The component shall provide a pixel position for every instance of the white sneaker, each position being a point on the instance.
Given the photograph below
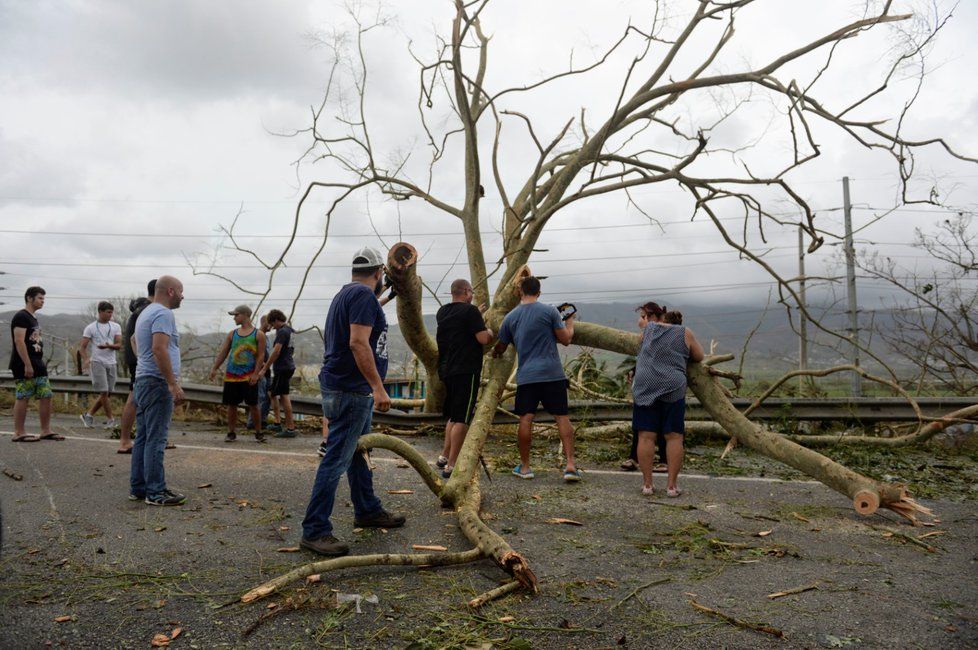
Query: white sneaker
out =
(87, 420)
(110, 424)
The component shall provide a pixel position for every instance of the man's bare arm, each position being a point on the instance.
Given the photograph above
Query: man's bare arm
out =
(695, 349)
(499, 349)
(222, 354)
(83, 349)
(161, 342)
(276, 351)
(484, 337)
(364, 356)
(20, 343)
(566, 333)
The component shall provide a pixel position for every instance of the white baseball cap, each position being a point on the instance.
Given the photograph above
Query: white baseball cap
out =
(367, 258)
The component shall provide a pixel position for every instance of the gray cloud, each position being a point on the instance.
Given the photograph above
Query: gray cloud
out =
(182, 49)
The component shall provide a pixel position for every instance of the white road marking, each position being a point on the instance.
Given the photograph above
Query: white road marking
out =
(236, 448)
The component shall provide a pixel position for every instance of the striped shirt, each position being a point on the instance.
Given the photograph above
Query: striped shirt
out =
(660, 368)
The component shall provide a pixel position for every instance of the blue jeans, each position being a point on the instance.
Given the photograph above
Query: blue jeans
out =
(154, 407)
(349, 418)
(264, 404)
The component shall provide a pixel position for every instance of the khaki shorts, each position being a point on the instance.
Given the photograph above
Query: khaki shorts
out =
(103, 377)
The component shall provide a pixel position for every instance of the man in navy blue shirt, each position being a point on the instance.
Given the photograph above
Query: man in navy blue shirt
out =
(351, 382)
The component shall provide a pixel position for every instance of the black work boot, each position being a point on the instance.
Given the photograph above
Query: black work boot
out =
(326, 545)
(382, 519)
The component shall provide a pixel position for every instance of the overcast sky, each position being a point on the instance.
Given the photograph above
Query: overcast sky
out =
(130, 131)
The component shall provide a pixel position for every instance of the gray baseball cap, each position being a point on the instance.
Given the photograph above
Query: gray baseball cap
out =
(366, 258)
(241, 309)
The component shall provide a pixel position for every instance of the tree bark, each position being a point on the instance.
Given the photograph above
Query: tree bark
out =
(402, 262)
(867, 495)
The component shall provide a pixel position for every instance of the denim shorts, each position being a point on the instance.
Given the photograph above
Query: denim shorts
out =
(660, 417)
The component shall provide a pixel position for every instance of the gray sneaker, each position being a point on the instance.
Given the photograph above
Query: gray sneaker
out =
(286, 433)
(166, 498)
(326, 545)
(87, 420)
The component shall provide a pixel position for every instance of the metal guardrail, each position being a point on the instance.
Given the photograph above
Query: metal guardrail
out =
(866, 409)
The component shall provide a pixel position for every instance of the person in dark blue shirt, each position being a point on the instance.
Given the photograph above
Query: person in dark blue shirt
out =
(536, 329)
(352, 386)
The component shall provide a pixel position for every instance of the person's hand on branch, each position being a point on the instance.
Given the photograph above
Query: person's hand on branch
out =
(382, 401)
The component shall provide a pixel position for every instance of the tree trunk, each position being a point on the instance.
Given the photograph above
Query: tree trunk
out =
(402, 262)
(867, 495)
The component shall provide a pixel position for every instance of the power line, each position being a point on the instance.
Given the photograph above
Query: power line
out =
(347, 266)
(364, 235)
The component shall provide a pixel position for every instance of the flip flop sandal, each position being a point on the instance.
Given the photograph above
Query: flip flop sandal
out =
(629, 465)
(518, 471)
(673, 492)
(28, 437)
(124, 451)
(52, 436)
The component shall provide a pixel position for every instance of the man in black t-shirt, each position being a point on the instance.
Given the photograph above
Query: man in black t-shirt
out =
(461, 335)
(128, 418)
(29, 370)
(281, 362)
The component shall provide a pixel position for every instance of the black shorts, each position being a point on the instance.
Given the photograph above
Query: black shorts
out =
(280, 382)
(552, 394)
(661, 417)
(461, 395)
(236, 392)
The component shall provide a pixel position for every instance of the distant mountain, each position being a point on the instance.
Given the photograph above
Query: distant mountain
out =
(773, 346)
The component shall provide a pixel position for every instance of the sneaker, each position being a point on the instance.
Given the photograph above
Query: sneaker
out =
(322, 449)
(382, 519)
(166, 498)
(673, 492)
(274, 427)
(447, 472)
(136, 497)
(286, 433)
(326, 545)
(260, 437)
(230, 437)
(87, 420)
(441, 462)
(109, 424)
(648, 491)
(518, 471)
(572, 476)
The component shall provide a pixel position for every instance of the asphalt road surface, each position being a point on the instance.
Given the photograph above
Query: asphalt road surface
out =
(81, 566)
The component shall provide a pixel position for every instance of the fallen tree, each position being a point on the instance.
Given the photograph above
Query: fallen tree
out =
(586, 158)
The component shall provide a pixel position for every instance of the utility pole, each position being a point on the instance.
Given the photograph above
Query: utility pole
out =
(803, 328)
(856, 389)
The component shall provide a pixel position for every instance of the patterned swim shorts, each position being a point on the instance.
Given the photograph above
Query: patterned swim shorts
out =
(36, 387)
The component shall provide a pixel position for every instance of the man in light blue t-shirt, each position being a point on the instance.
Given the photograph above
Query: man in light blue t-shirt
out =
(157, 390)
(535, 329)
